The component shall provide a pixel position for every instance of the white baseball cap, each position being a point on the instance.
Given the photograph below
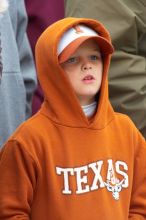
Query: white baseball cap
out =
(75, 36)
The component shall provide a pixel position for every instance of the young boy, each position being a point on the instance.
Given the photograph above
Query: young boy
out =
(76, 159)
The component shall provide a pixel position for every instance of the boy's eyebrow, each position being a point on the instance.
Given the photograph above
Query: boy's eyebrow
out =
(97, 50)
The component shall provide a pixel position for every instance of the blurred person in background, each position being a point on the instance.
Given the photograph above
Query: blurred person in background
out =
(3, 8)
(18, 80)
(40, 16)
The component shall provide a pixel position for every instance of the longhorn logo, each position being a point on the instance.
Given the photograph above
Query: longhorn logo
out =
(114, 185)
(78, 29)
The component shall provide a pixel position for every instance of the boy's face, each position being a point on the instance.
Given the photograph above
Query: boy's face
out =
(84, 70)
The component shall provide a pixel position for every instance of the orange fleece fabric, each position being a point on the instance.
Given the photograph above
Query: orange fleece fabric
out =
(59, 165)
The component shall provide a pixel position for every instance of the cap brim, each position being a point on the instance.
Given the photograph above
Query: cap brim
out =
(104, 45)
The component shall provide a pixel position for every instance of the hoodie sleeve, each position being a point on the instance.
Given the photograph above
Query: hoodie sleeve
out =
(17, 182)
(26, 58)
(138, 198)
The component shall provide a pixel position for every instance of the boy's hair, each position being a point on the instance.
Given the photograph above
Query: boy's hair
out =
(75, 36)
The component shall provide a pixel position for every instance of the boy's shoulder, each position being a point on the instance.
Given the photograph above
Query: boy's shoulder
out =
(29, 137)
(126, 127)
(35, 126)
(122, 116)
(125, 123)
(124, 120)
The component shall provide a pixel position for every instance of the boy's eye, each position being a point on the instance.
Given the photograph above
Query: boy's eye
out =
(93, 57)
(71, 60)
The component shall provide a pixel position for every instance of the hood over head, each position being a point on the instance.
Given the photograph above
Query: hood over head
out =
(60, 102)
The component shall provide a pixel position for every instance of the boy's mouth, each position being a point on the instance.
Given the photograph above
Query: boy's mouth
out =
(88, 79)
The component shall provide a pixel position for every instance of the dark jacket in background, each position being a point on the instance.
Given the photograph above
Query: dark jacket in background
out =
(40, 15)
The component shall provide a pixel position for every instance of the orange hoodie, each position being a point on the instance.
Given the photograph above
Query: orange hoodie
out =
(59, 165)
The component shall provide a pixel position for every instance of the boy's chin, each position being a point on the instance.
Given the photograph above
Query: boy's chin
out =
(86, 99)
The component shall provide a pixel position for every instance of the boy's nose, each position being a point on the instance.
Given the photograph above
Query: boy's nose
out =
(86, 65)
